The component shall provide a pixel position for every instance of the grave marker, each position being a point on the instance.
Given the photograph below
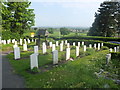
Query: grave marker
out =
(77, 51)
(53, 47)
(50, 44)
(24, 47)
(56, 43)
(98, 46)
(108, 58)
(61, 46)
(115, 49)
(73, 43)
(82, 43)
(65, 42)
(67, 53)
(78, 44)
(110, 49)
(44, 48)
(68, 45)
(33, 60)
(35, 49)
(95, 46)
(55, 56)
(16, 53)
(90, 45)
(84, 48)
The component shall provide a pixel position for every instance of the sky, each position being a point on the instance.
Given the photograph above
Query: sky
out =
(65, 13)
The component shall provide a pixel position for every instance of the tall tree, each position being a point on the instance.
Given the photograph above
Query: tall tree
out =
(17, 17)
(64, 31)
(105, 23)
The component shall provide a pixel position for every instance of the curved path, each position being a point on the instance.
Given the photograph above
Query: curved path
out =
(9, 79)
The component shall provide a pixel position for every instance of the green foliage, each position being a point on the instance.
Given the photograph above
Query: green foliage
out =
(106, 21)
(16, 17)
(50, 30)
(104, 48)
(64, 31)
(10, 35)
(115, 55)
(35, 70)
(73, 56)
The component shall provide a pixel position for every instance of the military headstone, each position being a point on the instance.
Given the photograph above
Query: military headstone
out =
(67, 53)
(84, 48)
(24, 47)
(16, 53)
(33, 60)
(35, 49)
(53, 47)
(77, 51)
(55, 56)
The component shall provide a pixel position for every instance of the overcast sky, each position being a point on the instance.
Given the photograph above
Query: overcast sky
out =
(76, 13)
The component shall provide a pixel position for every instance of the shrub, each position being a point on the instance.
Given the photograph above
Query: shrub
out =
(115, 55)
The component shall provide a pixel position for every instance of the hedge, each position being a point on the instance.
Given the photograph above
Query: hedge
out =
(87, 42)
(94, 38)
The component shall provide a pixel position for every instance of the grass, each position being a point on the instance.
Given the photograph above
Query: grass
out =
(72, 74)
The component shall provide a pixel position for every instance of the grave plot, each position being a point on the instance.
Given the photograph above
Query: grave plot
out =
(77, 72)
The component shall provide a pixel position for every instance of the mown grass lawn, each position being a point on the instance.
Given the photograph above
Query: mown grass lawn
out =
(72, 74)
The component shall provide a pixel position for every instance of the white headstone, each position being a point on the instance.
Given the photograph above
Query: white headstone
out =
(115, 49)
(35, 49)
(73, 43)
(77, 51)
(50, 44)
(78, 44)
(62, 42)
(82, 43)
(67, 53)
(61, 46)
(90, 45)
(56, 43)
(16, 53)
(98, 46)
(55, 56)
(68, 45)
(101, 44)
(65, 42)
(108, 58)
(13, 40)
(32, 40)
(84, 48)
(118, 49)
(15, 46)
(8, 41)
(4, 42)
(53, 47)
(25, 41)
(28, 40)
(24, 47)
(33, 60)
(20, 41)
(110, 49)
(95, 46)
(44, 48)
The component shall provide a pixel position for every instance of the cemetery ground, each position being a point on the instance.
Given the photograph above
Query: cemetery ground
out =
(88, 70)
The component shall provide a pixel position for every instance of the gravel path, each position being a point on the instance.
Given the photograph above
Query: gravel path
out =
(9, 79)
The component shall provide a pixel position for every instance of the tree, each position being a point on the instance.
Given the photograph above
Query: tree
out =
(17, 17)
(50, 30)
(105, 23)
(64, 31)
